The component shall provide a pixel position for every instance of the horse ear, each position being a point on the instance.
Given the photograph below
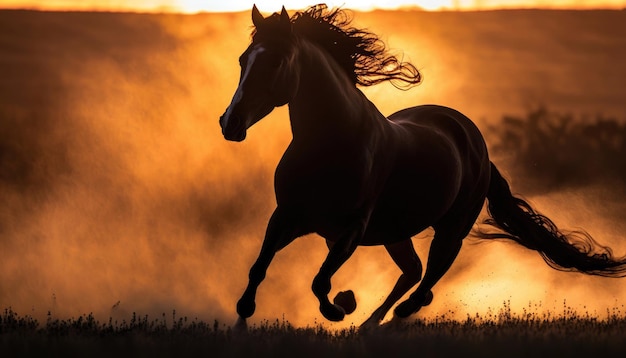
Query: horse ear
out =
(284, 16)
(257, 18)
(284, 19)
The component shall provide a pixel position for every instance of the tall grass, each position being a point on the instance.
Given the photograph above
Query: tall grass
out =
(501, 334)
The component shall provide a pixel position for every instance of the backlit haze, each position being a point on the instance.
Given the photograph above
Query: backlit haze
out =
(119, 193)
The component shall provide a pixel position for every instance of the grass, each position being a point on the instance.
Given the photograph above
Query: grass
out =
(504, 334)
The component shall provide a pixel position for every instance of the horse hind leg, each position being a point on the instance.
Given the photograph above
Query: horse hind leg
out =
(404, 255)
(445, 247)
(443, 250)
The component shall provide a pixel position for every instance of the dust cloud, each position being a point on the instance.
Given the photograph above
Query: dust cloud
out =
(118, 186)
(120, 195)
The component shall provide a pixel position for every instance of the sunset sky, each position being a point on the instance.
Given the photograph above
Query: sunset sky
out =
(192, 6)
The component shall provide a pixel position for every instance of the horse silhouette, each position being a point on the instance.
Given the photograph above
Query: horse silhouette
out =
(355, 177)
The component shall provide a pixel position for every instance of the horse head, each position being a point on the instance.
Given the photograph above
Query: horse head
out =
(269, 76)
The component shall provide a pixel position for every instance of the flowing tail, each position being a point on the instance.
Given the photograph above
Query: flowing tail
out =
(572, 251)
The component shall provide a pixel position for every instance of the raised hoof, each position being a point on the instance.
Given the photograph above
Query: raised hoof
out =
(245, 308)
(346, 300)
(333, 313)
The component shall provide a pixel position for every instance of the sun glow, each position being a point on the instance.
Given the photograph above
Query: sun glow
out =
(364, 5)
(196, 6)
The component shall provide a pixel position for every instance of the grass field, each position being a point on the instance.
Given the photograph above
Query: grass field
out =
(501, 334)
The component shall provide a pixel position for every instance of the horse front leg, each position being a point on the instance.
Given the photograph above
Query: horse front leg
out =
(280, 233)
(338, 254)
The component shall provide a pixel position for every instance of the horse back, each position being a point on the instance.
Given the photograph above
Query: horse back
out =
(421, 125)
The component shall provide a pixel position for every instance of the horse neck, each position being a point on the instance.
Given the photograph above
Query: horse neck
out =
(327, 104)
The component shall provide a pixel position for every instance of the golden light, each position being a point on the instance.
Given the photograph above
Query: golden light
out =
(196, 6)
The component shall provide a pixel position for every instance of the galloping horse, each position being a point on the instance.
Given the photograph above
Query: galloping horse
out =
(355, 177)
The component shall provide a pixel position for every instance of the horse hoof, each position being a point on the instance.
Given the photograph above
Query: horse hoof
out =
(333, 313)
(245, 308)
(406, 308)
(428, 299)
(412, 305)
(346, 300)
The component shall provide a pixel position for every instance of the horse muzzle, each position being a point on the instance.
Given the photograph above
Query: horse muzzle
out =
(233, 128)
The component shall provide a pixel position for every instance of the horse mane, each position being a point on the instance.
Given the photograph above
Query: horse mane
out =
(360, 53)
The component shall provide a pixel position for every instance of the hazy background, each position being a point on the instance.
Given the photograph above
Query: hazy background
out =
(117, 186)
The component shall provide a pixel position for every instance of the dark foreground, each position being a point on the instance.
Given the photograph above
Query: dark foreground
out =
(502, 335)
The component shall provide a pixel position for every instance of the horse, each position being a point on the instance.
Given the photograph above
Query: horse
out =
(355, 177)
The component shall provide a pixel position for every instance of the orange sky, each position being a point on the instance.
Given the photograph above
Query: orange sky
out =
(192, 6)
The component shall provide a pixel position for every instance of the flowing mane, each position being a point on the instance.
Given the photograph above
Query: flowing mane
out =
(360, 53)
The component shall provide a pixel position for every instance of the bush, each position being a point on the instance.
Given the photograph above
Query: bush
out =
(550, 151)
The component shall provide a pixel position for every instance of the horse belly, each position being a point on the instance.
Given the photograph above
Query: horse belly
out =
(404, 215)
(419, 192)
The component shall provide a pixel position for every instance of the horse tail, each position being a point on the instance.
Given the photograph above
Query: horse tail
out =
(571, 251)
